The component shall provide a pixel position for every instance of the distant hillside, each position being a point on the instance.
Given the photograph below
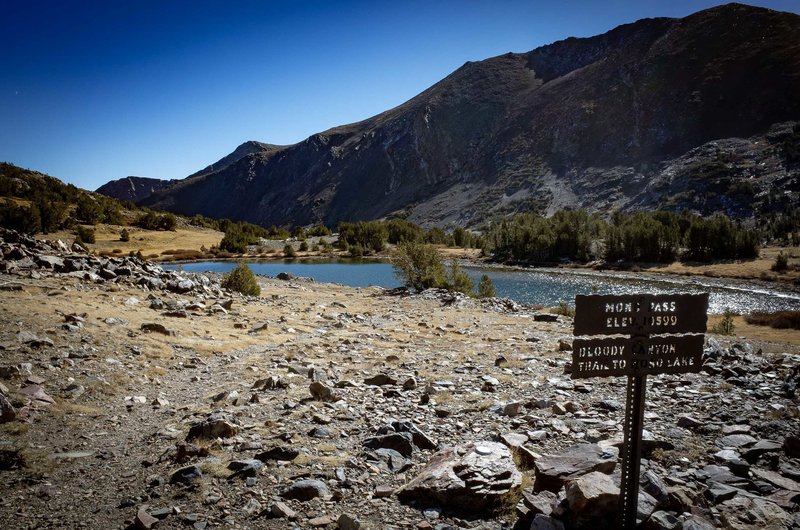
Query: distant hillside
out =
(32, 202)
(689, 113)
(133, 188)
(138, 188)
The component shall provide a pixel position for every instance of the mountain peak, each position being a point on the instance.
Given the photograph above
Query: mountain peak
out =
(593, 122)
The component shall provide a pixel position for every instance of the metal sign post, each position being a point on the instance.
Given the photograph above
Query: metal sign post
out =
(677, 323)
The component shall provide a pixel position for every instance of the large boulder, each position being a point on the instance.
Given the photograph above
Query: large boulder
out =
(305, 490)
(592, 499)
(553, 471)
(215, 426)
(468, 479)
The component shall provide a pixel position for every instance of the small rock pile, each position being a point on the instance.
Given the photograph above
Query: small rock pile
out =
(28, 257)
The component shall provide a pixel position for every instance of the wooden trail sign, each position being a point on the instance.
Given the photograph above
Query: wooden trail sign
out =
(677, 322)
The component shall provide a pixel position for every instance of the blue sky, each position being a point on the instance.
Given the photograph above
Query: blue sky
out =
(93, 91)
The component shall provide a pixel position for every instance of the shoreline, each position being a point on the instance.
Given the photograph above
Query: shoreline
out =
(644, 275)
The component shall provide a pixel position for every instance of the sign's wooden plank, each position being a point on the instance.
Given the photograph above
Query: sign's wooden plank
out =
(640, 314)
(609, 357)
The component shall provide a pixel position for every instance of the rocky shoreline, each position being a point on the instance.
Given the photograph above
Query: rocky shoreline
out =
(133, 397)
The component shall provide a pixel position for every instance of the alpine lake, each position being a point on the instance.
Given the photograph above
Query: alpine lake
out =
(544, 286)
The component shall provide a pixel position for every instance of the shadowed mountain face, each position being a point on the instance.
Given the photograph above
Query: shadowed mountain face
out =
(133, 188)
(676, 113)
(138, 188)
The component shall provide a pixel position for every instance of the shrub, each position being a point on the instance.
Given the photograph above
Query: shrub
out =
(724, 326)
(781, 263)
(303, 246)
(242, 279)
(418, 266)
(88, 210)
(112, 214)
(319, 230)
(124, 235)
(457, 279)
(486, 287)
(84, 235)
(288, 251)
(20, 218)
(154, 221)
(356, 250)
(565, 309)
(371, 235)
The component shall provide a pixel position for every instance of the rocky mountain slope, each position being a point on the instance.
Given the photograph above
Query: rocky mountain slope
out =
(638, 117)
(138, 188)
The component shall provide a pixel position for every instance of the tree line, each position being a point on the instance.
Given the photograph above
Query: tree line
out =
(366, 237)
(44, 204)
(659, 236)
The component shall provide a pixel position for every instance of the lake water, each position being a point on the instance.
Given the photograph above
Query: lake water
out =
(537, 286)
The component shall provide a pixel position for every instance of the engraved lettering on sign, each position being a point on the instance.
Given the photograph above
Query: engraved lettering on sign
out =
(640, 314)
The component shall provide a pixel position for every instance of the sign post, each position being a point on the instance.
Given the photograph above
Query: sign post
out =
(665, 336)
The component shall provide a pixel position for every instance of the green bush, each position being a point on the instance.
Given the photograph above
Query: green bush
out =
(486, 288)
(124, 235)
(457, 279)
(565, 309)
(462, 238)
(242, 279)
(154, 221)
(356, 250)
(288, 251)
(418, 266)
(303, 246)
(319, 230)
(89, 210)
(20, 218)
(84, 235)
(724, 326)
(371, 235)
(781, 263)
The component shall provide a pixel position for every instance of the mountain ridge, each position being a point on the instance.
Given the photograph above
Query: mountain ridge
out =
(526, 131)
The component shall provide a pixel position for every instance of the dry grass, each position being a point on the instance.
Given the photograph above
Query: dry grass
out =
(148, 242)
(215, 468)
(778, 320)
(14, 428)
(37, 461)
(755, 269)
(753, 332)
(506, 510)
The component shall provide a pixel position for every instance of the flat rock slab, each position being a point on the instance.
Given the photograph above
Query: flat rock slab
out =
(553, 471)
(776, 478)
(37, 394)
(72, 454)
(736, 440)
(469, 479)
(745, 513)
